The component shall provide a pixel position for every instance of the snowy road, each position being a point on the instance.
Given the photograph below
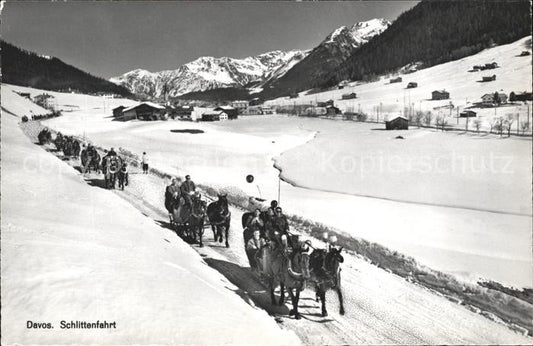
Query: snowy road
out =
(381, 308)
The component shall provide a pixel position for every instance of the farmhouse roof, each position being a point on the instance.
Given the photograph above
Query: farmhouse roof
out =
(398, 117)
(151, 104)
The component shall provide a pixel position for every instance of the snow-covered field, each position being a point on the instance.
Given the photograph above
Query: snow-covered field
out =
(93, 256)
(492, 242)
(72, 252)
(513, 74)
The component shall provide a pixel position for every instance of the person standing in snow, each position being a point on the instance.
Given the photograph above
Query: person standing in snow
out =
(145, 163)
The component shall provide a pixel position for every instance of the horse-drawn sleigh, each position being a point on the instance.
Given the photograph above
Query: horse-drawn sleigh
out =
(187, 217)
(291, 266)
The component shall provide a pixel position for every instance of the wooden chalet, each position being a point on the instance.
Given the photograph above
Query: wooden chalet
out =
(396, 80)
(467, 114)
(440, 95)
(398, 123)
(117, 112)
(349, 96)
(489, 78)
(144, 111)
(332, 110)
(211, 116)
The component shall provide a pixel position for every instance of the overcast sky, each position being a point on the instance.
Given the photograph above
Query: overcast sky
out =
(110, 38)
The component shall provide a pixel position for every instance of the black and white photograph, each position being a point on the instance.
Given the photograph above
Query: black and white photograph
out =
(266, 172)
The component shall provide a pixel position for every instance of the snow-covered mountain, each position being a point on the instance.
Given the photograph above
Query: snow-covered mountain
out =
(207, 73)
(350, 37)
(326, 57)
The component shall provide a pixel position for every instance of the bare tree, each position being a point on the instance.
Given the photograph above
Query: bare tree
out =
(508, 123)
(428, 118)
(524, 126)
(498, 125)
(441, 122)
(418, 118)
(477, 124)
(361, 116)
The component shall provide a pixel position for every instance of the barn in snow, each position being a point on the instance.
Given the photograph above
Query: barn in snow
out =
(144, 111)
(398, 123)
(440, 95)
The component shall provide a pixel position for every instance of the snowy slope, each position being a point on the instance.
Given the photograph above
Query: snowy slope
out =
(207, 73)
(381, 308)
(75, 252)
(20, 105)
(465, 88)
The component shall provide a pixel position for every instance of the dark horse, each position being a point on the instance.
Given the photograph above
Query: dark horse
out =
(290, 273)
(44, 137)
(90, 159)
(326, 274)
(219, 217)
(197, 219)
(188, 220)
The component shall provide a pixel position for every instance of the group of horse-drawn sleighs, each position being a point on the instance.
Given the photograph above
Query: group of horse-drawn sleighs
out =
(112, 166)
(275, 255)
(69, 145)
(279, 257)
(189, 213)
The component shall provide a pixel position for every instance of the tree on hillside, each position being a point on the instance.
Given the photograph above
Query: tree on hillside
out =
(441, 122)
(524, 126)
(508, 124)
(418, 118)
(477, 124)
(496, 99)
(498, 125)
(428, 118)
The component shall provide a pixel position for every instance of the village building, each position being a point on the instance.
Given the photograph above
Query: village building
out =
(332, 110)
(26, 95)
(253, 110)
(240, 105)
(440, 95)
(467, 114)
(231, 112)
(524, 96)
(489, 78)
(45, 100)
(325, 103)
(267, 110)
(349, 96)
(398, 123)
(315, 111)
(117, 112)
(411, 85)
(145, 111)
(396, 80)
(211, 116)
(254, 102)
(490, 99)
